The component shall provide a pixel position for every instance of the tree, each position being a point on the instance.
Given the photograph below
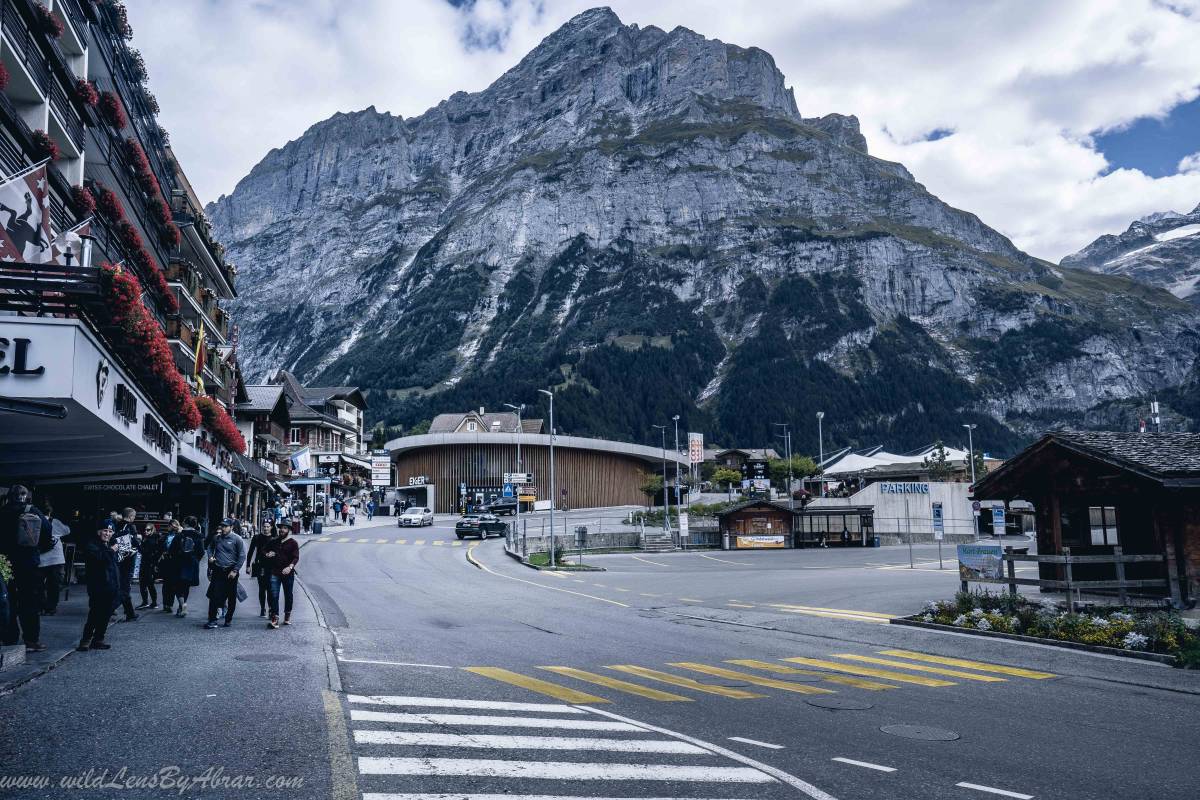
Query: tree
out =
(938, 463)
(802, 467)
(724, 475)
(980, 467)
(652, 487)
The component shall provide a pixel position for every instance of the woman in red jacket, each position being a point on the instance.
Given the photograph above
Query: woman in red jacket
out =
(282, 558)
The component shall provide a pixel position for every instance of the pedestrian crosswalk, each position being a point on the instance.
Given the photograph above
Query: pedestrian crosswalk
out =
(351, 540)
(438, 748)
(752, 679)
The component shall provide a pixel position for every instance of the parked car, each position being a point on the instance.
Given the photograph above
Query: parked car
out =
(505, 505)
(481, 525)
(415, 517)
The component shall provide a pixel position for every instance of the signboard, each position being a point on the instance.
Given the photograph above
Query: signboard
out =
(508, 490)
(760, 542)
(696, 448)
(939, 523)
(998, 520)
(381, 468)
(683, 524)
(518, 477)
(327, 459)
(904, 488)
(977, 561)
(419, 480)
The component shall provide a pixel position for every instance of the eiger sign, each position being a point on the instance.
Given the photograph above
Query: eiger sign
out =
(904, 488)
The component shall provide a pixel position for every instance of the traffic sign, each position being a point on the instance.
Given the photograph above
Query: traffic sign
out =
(508, 490)
(518, 477)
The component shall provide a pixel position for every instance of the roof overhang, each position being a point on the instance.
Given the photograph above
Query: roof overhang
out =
(650, 455)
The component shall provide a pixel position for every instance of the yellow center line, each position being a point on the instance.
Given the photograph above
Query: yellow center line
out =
(419, 541)
(344, 539)
(438, 543)
(619, 685)
(758, 680)
(690, 600)
(982, 666)
(686, 683)
(835, 610)
(834, 615)
(381, 541)
(360, 541)
(845, 680)
(871, 671)
(564, 693)
(952, 673)
(456, 544)
(402, 541)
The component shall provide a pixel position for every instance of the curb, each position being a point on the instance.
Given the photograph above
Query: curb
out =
(1016, 637)
(524, 563)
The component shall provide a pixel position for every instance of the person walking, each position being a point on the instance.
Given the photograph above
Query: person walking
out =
(128, 541)
(284, 557)
(353, 513)
(52, 563)
(225, 561)
(307, 518)
(167, 570)
(152, 551)
(370, 510)
(257, 565)
(25, 534)
(103, 581)
(187, 549)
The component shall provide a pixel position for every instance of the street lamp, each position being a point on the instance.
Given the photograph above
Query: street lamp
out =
(666, 497)
(516, 490)
(788, 454)
(971, 447)
(821, 448)
(677, 492)
(553, 486)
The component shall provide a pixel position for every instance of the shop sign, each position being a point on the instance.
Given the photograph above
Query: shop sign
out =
(418, 480)
(14, 358)
(125, 404)
(156, 434)
(696, 448)
(980, 561)
(760, 542)
(904, 488)
(124, 487)
(327, 459)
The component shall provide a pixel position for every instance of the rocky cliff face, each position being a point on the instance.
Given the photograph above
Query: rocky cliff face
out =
(1161, 250)
(645, 220)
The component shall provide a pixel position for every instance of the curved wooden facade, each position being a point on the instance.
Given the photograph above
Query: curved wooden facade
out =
(592, 476)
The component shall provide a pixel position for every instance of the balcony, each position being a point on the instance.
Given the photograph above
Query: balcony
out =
(180, 330)
(48, 289)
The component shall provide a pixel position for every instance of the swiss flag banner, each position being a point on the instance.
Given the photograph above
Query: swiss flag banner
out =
(25, 215)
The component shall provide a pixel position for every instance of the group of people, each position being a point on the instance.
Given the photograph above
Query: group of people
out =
(169, 552)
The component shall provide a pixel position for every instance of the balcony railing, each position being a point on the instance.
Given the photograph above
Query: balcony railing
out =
(61, 107)
(48, 289)
(178, 329)
(25, 44)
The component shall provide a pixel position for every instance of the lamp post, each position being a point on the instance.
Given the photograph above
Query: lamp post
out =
(787, 449)
(821, 447)
(971, 457)
(666, 497)
(677, 487)
(553, 487)
(517, 491)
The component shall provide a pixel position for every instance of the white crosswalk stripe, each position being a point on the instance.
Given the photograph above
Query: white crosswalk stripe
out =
(435, 748)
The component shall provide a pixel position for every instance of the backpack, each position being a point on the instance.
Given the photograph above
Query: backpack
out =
(187, 544)
(29, 528)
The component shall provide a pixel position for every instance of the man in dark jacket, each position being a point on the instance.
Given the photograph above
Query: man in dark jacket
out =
(103, 582)
(225, 559)
(25, 590)
(128, 542)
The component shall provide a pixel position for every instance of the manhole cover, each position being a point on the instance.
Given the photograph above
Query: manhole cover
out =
(839, 703)
(264, 657)
(921, 732)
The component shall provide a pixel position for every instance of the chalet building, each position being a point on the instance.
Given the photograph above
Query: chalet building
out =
(326, 424)
(111, 395)
(1093, 491)
(484, 421)
(771, 525)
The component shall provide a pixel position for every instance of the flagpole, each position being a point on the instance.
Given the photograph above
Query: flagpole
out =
(24, 172)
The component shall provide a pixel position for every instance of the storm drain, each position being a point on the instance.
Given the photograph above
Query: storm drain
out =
(923, 733)
(263, 658)
(839, 703)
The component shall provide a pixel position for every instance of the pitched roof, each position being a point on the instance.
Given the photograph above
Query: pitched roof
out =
(262, 397)
(489, 422)
(782, 506)
(1159, 454)
(752, 453)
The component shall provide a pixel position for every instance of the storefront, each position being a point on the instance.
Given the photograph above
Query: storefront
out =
(756, 525)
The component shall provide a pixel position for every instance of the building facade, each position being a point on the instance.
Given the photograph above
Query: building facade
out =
(325, 435)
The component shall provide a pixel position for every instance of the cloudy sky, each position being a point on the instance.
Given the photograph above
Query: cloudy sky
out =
(1054, 122)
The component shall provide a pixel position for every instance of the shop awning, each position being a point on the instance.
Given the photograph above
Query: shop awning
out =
(216, 480)
(279, 487)
(309, 482)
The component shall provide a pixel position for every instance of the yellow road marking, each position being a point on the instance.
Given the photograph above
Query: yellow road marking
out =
(619, 589)
(649, 594)
(690, 600)
(835, 610)
(736, 604)
(324, 539)
(438, 543)
(686, 683)
(845, 680)
(982, 666)
(874, 673)
(402, 541)
(456, 544)
(953, 673)
(419, 541)
(555, 573)
(344, 539)
(619, 685)
(381, 541)
(359, 541)
(563, 693)
(833, 615)
(758, 680)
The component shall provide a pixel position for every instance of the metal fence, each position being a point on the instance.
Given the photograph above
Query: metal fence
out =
(598, 531)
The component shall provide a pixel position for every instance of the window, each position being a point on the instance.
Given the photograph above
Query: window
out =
(294, 436)
(471, 426)
(1104, 525)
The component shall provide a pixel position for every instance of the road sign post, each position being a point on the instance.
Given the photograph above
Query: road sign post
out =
(939, 530)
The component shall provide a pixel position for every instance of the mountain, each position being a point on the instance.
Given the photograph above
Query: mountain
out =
(1161, 249)
(646, 221)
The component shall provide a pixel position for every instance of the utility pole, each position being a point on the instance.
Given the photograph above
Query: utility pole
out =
(678, 497)
(821, 448)
(516, 486)
(553, 487)
(971, 457)
(787, 449)
(666, 497)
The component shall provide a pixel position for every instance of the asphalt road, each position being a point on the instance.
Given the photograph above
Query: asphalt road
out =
(458, 673)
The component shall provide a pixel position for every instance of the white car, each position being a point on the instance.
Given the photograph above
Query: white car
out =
(415, 517)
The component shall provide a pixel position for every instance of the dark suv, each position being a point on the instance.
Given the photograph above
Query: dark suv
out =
(481, 525)
(504, 505)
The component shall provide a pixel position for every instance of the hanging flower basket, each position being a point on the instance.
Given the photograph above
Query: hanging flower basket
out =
(110, 208)
(220, 424)
(85, 92)
(83, 200)
(48, 21)
(3, 77)
(44, 146)
(112, 111)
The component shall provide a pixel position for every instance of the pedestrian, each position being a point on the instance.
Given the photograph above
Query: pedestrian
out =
(166, 567)
(295, 526)
(353, 513)
(370, 510)
(152, 550)
(128, 541)
(103, 580)
(283, 559)
(225, 560)
(307, 518)
(51, 564)
(184, 555)
(25, 534)
(257, 565)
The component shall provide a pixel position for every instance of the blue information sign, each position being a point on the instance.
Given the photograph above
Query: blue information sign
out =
(508, 490)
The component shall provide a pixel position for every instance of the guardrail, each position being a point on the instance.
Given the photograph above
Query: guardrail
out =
(1118, 559)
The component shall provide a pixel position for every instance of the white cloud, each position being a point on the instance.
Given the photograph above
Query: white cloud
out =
(1022, 83)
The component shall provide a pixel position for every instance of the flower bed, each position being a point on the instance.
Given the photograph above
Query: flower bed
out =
(110, 208)
(220, 424)
(1129, 629)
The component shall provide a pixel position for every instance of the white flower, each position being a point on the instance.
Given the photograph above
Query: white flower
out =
(1099, 622)
(977, 613)
(959, 620)
(932, 606)
(1120, 616)
(927, 617)
(1134, 641)
(983, 625)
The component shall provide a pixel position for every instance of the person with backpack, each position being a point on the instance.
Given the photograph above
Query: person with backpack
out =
(283, 558)
(152, 550)
(370, 510)
(256, 562)
(25, 534)
(52, 563)
(225, 559)
(166, 568)
(183, 562)
(128, 541)
(103, 581)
